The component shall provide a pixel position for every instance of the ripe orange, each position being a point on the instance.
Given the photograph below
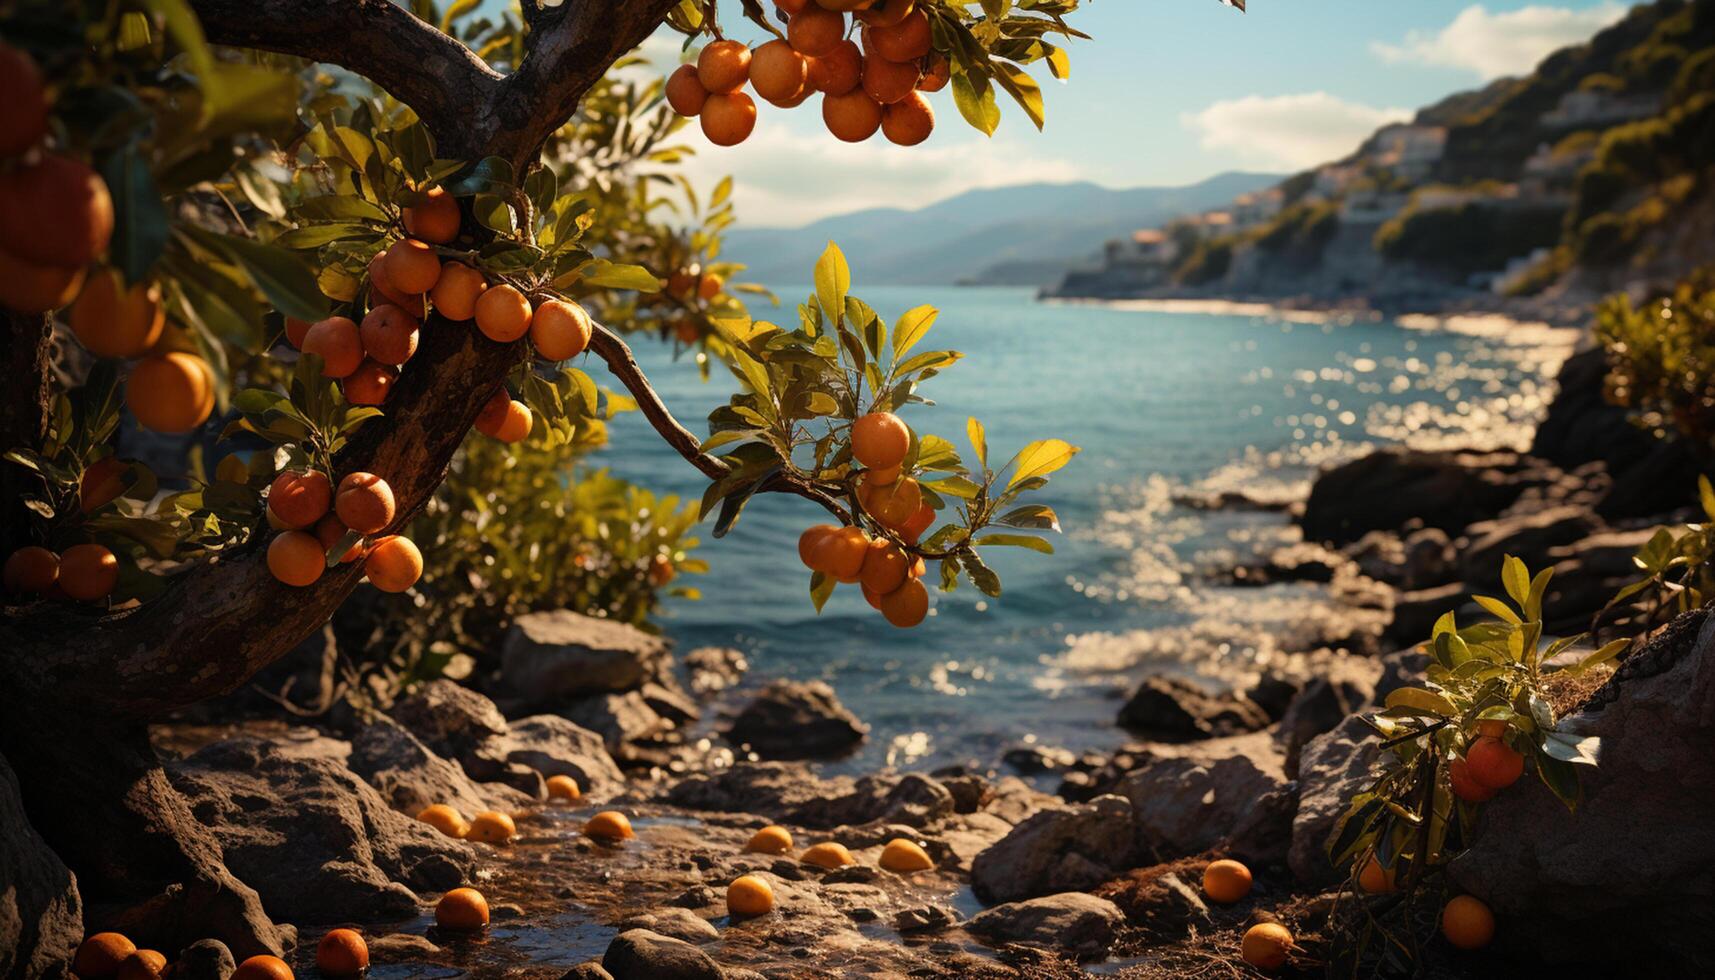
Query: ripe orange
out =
(370, 384)
(383, 291)
(723, 67)
(561, 329)
(685, 92)
(503, 314)
(880, 440)
(661, 571)
(936, 74)
(796, 99)
(145, 964)
(110, 320)
(295, 330)
(778, 72)
(709, 286)
(838, 71)
(364, 502)
(88, 572)
(894, 505)
(815, 31)
(852, 117)
(888, 81)
(296, 558)
(101, 483)
(1375, 879)
(56, 212)
(770, 840)
(563, 787)
(681, 282)
(171, 392)
(263, 967)
(339, 344)
(828, 855)
(749, 896)
(31, 568)
(1226, 881)
(1467, 922)
(436, 219)
(909, 121)
(100, 955)
(492, 827)
(871, 596)
(26, 287)
(24, 111)
(886, 13)
(884, 567)
(907, 40)
(463, 909)
(493, 413)
(393, 564)
(904, 857)
(919, 522)
(1266, 946)
(411, 266)
(1464, 786)
(389, 335)
(299, 498)
(808, 540)
(456, 292)
(687, 332)
(517, 423)
(1492, 728)
(840, 553)
(907, 605)
(1493, 763)
(329, 530)
(342, 953)
(609, 825)
(444, 819)
(728, 119)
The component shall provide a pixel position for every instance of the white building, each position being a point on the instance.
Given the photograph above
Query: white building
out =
(1588, 108)
(1410, 151)
(1260, 207)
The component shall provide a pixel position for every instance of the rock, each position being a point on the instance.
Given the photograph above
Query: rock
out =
(1303, 561)
(1415, 613)
(1031, 758)
(1273, 693)
(797, 720)
(550, 657)
(1232, 792)
(1173, 708)
(912, 799)
(409, 776)
(643, 955)
(673, 922)
(1402, 668)
(1161, 900)
(924, 919)
(317, 843)
(1081, 924)
(1389, 487)
(1420, 559)
(1527, 537)
(1061, 849)
(205, 959)
(620, 719)
(1331, 768)
(1346, 684)
(671, 703)
(449, 718)
(587, 971)
(41, 913)
(1587, 573)
(1626, 879)
(789, 793)
(552, 746)
(970, 792)
(711, 670)
(400, 947)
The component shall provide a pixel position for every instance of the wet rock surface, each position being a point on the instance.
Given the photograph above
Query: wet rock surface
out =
(41, 913)
(1171, 708)
(797, 720)
(1081, 924)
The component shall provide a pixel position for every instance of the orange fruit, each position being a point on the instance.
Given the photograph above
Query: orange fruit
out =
(1492, 728)
(110, 320)
(393, 564)
(828, 855)
(1464, 786)
(411, 266)
(338, 342)
(435, 219)
(681, 282)
(444, 819)
(852, 117)
(296, 558)
(503, 314)
(777, 72)
(516, 425)
(790, 7)
(1375, 879)
(872, 597)
(299, 498)
(880, 440)
(263, 967)
(31, 568)
(909, 121)
(919, 522)
(840, 553)
(342, 953)
(561, 329)
(88, 572)
(838, 71)
(492, 827)
(609, 825)
(383, 291)
(770, 840)
(894, 505)
(723, 67)
(1467, 922)
(462, 909)
(888, 81)
(685, 92)
(364, 502)
(936, 74)
(493, 412)
(171, 392)
(101, 954)
(24, 111)
(456, 292)
(661, 571)
(1492, 763)
(687, 332)
(1226, 881)
(907, 605)
(295, 330)
(55, 212)
(389, 335)
(101, 483)
(26, 287)
(816, 31)
(884, 567)
(907, 40)
(563, 787)
(728, 119)
(1266, 946)
(886, 13)
(370, 384)
(145, 964)
(749, 896)
(709, 286)
(808, 540)
(329, 530)
(904, 857)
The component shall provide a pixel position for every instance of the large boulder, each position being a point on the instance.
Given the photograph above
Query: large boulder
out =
(550, 657)
(317, 843)
(1232, 792)
(797, 720)
(449, 717)
(639, 954)
(1331, 768)
(1343, 685)
(552, 746)
(1080, 924)
(1174, 708)
(1529, 537)
(41, 914)
(1390, 487)
(1055, 850)
(410, 776)
(1629, 878)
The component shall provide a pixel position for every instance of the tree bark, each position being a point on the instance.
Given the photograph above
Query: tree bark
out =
(26, 357)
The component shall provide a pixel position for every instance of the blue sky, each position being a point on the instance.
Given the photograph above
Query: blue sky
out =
(1167, 92)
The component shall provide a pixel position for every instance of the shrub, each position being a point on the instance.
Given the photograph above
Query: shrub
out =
(1473, 237)
(1661, 360)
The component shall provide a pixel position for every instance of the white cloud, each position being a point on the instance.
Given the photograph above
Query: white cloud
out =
(1288, 130)
(1492, 45)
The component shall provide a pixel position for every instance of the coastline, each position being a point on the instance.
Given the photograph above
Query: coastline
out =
(1468, 316)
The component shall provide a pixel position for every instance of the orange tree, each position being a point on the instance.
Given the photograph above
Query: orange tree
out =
(283, 215)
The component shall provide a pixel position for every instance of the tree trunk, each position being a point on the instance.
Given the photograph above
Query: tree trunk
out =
(26, 357)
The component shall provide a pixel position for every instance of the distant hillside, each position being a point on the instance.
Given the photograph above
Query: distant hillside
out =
(1027, 234)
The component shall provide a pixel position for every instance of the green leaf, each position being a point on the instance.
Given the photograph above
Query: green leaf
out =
(288, 282)
(1499, 609)
(979, 442)
(140, 220)
(1516, 578)
(833, 280)
(1598, 657)
(821, 587)
(1423, 701)
(1015, 541)
(983, 577)
(911, 328)
(1706, 493)
(976, 103)
(1023, 90)
(1042, 458)
(614, 275)
(1033, 516)
(1580, 749)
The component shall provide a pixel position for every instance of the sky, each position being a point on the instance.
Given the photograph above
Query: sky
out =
(1167, 92)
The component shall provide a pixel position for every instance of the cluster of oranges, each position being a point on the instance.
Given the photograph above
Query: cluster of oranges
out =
(890, 577)
(85, 572)
(312, 519)
(112, 956)
(56, 221)
(879, 85)
(1488, 766)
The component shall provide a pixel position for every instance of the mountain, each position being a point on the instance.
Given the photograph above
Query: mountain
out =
(1026, 234)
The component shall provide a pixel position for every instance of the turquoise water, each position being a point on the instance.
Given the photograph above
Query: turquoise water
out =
(1163, 405)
